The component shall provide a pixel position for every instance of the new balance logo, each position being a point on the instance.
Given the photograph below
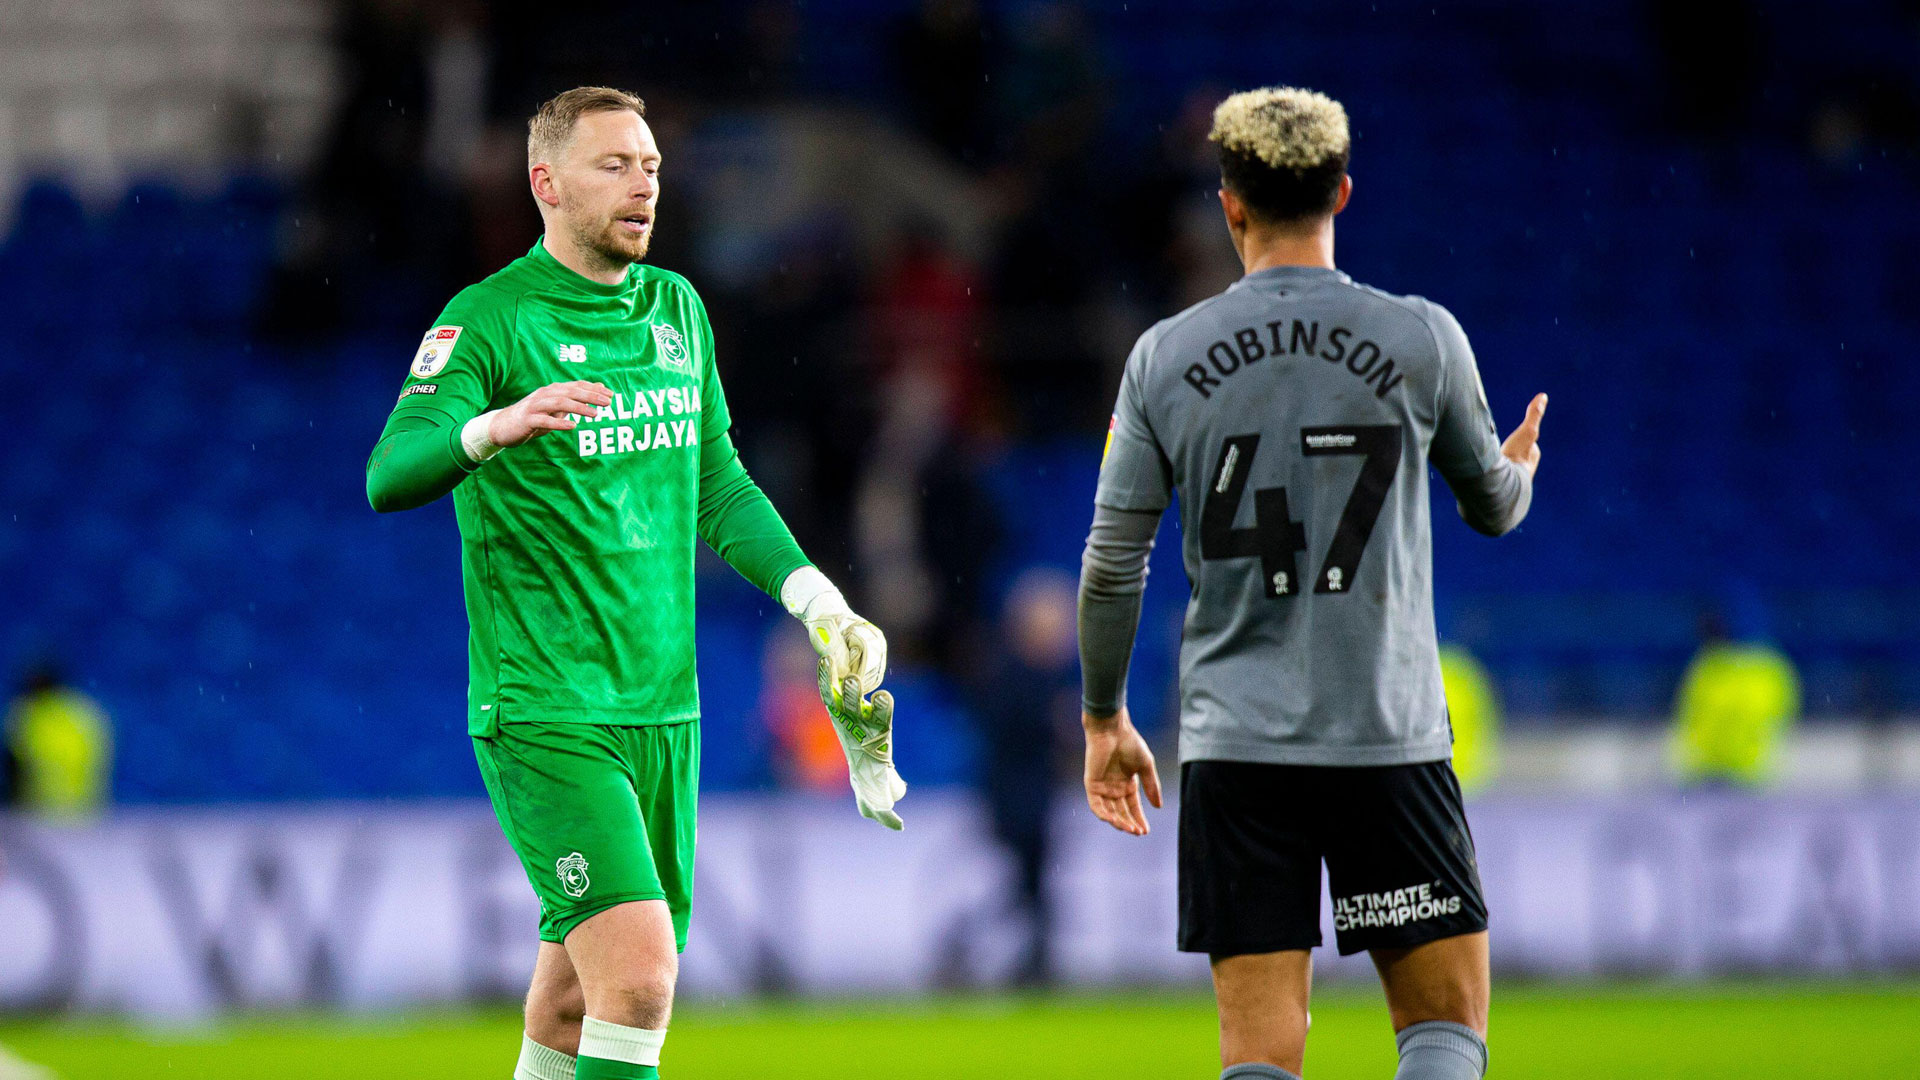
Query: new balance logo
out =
(573, 354)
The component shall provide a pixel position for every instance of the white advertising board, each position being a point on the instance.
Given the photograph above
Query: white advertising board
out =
(192, 912)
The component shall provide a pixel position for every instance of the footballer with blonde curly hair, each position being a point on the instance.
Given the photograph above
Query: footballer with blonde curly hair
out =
(1296, 414)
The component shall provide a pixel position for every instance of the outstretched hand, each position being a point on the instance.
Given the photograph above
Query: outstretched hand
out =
(1523, 446)
(1119, 764)
(550, 408)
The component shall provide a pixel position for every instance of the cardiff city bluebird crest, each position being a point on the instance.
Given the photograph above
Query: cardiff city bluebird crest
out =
(673, 348)
(572, 870)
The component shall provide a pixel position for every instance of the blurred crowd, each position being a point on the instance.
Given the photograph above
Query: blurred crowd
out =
(928, 233)
(962, 272)
(917, 288)
(966, 270)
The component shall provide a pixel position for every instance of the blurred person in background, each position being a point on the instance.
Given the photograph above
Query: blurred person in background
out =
(926, 516)
(1473, 711)
(383, 127)
(1737, 701)
(806, 756)
(807, 436)
(1313, 719)
(943, 61)
(59, 748)
(927, 525)
(926, 316)
(1045, 284)
(1025, 698)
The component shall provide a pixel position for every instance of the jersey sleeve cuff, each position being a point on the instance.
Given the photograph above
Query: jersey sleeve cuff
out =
(475, 439)
(458, 451)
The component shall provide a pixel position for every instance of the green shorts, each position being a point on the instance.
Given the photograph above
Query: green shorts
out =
(598, 814)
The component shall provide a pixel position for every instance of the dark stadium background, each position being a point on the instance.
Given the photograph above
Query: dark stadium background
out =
(928, 234)
(1696, 231)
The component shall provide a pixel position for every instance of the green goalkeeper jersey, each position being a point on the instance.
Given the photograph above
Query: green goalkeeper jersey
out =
(577, 548)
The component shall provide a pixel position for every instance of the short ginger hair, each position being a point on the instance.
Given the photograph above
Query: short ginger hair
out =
(1283, 151)
(552, 126)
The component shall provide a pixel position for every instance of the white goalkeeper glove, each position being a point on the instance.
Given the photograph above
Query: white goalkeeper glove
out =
(853, 660)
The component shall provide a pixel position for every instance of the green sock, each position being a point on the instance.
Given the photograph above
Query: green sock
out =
(616, 1052)
(593, 1068)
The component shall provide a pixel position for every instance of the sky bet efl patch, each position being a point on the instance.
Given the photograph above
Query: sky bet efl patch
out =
(435, 349)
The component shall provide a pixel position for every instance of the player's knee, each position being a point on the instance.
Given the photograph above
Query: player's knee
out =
(1276, 1034)
(554, 1013)
(1283, 1044)
(1263, 1008)
(641, 998)
(567, 1004)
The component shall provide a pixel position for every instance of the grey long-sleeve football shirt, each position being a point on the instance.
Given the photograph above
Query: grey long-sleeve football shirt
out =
(1295, 413)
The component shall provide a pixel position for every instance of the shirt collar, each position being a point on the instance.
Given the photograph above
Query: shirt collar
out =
(566, 275)
(1298, 275)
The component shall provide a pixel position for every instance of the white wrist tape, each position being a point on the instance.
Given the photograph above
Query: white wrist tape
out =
(807, 594)
(475, 440)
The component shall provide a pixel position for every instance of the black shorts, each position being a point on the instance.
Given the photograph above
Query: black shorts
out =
(1399, 857)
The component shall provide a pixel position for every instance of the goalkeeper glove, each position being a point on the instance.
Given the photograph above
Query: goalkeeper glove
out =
(853, 659)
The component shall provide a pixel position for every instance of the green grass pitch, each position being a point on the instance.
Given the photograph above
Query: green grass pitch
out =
(1804, 1030)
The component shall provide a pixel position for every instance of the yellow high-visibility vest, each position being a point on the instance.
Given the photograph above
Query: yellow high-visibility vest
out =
(1473, 707)
(64, 748)
(1735, 705)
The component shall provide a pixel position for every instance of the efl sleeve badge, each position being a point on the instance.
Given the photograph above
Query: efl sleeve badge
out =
(435, 349)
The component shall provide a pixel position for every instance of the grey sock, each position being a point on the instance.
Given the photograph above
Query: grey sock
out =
(1256, 1070)
(1438, 1050)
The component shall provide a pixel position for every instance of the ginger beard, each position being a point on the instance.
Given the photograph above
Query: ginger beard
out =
(605, 235)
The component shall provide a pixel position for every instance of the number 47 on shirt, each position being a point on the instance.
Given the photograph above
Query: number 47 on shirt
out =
(1275, 537)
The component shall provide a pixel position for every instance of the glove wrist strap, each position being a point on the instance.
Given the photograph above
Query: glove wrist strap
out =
(808, 595)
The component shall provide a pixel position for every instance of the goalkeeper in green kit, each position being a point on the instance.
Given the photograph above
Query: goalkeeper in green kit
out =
(571, 404)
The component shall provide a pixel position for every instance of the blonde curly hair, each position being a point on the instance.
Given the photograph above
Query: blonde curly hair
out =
(1283, 149)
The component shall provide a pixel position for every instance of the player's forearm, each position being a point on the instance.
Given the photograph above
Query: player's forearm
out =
(1113, 579)
(738, 521)
(418, 460)
(1497, 500)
